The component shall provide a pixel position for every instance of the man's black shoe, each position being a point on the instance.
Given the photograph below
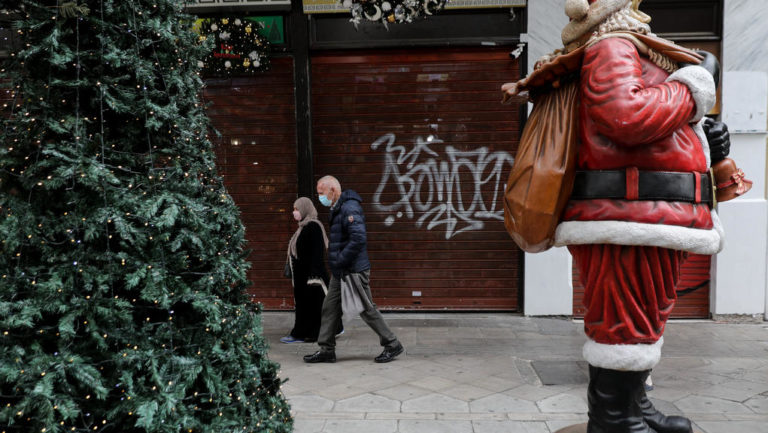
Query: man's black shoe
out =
(320, 356)
(389, 354)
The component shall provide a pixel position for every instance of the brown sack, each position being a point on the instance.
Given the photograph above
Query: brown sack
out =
(541, 179)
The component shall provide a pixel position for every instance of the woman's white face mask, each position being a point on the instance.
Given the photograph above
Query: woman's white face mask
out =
(296, 215)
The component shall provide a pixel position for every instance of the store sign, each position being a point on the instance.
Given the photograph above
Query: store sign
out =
(272, 28)
(195, 5)
(334, 6)
(480, 4)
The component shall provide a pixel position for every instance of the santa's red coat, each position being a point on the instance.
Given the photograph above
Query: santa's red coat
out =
(634, 114)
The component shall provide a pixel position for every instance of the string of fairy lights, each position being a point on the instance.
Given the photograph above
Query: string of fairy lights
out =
(159, 169)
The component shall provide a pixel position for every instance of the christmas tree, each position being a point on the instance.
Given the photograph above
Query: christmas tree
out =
(122, 272)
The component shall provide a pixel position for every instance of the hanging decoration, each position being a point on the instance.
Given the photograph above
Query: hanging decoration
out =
(392, 11)
(238, 47)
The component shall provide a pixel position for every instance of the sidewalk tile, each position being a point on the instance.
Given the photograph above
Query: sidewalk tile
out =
(563, 403)
(734, 426)
(735, 390)
(434, 426)
(367, 403)
(472, 416)
(535, 393)
(561, 423)
(358, 426)
(434, 403)
(466, 392)
(340, 391)
(502, 403)
(509, 427)
(399, 415)
(699, 404)
(310, 403)
(433, 383)
(308, 425)
(403, 392)
(759, 404)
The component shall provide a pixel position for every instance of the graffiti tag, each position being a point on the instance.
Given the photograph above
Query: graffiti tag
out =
(459, 190)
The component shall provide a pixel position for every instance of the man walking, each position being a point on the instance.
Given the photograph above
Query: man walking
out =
(348, 259)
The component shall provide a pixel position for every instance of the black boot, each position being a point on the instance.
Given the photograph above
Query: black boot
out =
(660, 422)
(613, 401)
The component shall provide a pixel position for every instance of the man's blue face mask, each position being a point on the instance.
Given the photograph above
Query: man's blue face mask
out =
(325, 201)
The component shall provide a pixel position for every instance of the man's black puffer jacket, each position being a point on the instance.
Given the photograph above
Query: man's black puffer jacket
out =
(347, 249)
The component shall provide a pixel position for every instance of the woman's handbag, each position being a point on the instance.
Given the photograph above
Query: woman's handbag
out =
(287, 272)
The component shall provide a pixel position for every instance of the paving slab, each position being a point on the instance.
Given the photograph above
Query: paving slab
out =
(758, 404)
(435, 426)
(358, 426)
(563, 403)
(466, 392)
(703, 404)
(475, 372)
(437, 403)
(403, 392)
(367, 403)
(502, 403)
(310, 403)
(561, 372)
(490, 426)
(734, 426)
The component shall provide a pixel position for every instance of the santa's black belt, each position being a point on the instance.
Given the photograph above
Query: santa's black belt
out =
(633, 184)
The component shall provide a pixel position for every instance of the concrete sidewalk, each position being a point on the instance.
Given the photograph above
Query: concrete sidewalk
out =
(503, 373)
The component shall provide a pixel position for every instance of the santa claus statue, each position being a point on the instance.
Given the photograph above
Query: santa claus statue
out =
(642, 195)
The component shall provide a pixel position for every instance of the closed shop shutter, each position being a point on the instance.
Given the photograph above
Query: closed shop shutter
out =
(692, 291)
(256, 155)
(422, 137)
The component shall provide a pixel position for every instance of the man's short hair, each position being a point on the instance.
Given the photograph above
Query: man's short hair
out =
(330, 181)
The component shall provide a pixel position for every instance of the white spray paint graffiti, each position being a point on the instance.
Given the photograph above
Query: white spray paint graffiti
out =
(430, 186)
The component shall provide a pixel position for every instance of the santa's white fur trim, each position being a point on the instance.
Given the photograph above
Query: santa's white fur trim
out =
(699, 241)
(719, 228)
(623, 357)
(702, 87)
(698, 128)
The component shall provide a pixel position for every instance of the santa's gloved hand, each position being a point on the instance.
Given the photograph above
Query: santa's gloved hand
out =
(718, 138)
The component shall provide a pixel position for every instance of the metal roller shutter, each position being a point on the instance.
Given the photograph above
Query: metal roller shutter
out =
(257, 158)
(422, 136)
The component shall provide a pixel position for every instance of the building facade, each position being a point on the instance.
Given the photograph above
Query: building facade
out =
(410, 117)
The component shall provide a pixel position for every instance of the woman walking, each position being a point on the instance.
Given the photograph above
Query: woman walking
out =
(306, 259)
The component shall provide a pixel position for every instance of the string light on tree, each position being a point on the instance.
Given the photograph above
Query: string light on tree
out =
(105, 155)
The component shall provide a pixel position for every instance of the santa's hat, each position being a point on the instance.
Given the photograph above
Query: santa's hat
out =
(586, 14)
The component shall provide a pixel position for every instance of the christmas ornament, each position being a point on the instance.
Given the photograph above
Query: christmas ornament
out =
(237, 47)
(391, 11)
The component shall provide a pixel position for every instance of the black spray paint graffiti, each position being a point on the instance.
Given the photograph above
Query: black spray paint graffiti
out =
(436, 188)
